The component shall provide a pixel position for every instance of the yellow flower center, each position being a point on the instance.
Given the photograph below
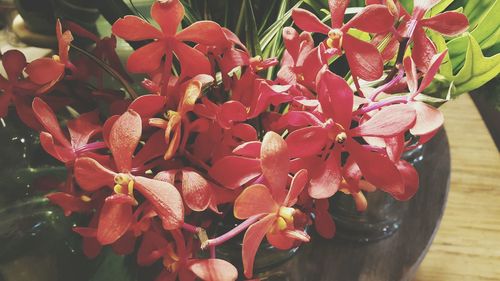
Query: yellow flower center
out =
(124, 184)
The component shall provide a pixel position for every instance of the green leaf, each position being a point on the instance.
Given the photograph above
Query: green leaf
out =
(114, 267)
(477, 69)
(441, 6)
(276, 28)
(476, 11)
(486, 33)
(446, 68)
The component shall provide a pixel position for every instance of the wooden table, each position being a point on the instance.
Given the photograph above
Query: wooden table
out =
(467, 245)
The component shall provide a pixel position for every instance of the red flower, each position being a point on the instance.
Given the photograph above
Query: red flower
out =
(336, 100)
(280, 223)
(448, 23)
(122, 135)
(46, 72)
(56, 143)
(364, 59)
(168, 41)
(16, 90)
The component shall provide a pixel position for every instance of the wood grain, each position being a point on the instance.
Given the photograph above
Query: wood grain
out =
(467, 245)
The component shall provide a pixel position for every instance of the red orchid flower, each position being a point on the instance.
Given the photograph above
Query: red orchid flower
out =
(336, 99)
(104, 50)
(168, 41)
(279, 222)
(56, 143)
(364, 59)
(46, 72)
(122, 134)
(447, 23)
(177, 127)
(177, 264)
(16, 90)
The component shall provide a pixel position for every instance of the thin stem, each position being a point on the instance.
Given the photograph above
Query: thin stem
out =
(233, 232)
(190, 228)
(212, 252)
(386, 86)
(380, 104)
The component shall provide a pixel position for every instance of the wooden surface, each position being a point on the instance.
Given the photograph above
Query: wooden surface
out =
(467, 245)
(394, 258)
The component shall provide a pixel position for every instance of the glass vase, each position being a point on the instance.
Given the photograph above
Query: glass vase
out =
(381, 219)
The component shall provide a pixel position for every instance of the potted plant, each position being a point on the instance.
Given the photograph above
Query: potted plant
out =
(224, 140)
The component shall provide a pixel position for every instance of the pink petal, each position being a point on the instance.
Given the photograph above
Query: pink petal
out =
(123, 139)
(231, 111)
(165, 199)
(325, 178)
(13, 62)
(372, 19)
(214, 270)
(388, 122)
(248, 149)
(410, 178)
(435, 63)
(204, 32)
(323, 221)
(251, 242)
(291, 41)
(377, 169)
(148, 106)
(154, 147)
(336, 98)
(363, 58)
(447, 23)
(193, 62)
(69, 203)
(234, 171)
(83, 128)
(299, 181)
(337, 11)
(423, 50)
(411, 74)
(91, 175)
(306, 141)
(196, 190)
(147, 58)
(429, 119)
(48, 119)
(254, 200)
(279, 240)
(44, 70)
(275, 163)
(115, 218)
(307, 21)
(133, 28)
(168, 15)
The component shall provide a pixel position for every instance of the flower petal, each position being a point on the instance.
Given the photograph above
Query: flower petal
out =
(337, 11)
(13, 62)
(148, 106)
(193, 62)
(91, 175)
(410, 178)
(255, 199)
(234, 171)
(279, 240)
(251, 242)
(214, 270)
(372, 19)
(299, 181)
(363, 58)
(423, 49)
(323, 221)
(168, 15)
(275, 162)
(165, 199)
(336, 98)
(429, 119)
(388, 122)
(147, 58)
(447, 23)
(134, 28)
(48, 119)
(69, 203)
(44, 70)
(307, 21)
(204, 32)
(325, 178)
(123, 139)
(196, 190)
(115, 218)
(306, 141)
(433, 69)
(83, 128)
(377, 169)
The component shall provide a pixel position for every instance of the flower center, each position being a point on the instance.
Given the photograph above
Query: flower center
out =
(124, 184)
(341, 137)
(334, 36)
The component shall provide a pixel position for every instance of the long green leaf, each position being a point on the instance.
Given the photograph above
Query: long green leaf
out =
(477, 69)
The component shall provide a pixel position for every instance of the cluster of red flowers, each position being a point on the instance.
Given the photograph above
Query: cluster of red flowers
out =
(158, 169)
